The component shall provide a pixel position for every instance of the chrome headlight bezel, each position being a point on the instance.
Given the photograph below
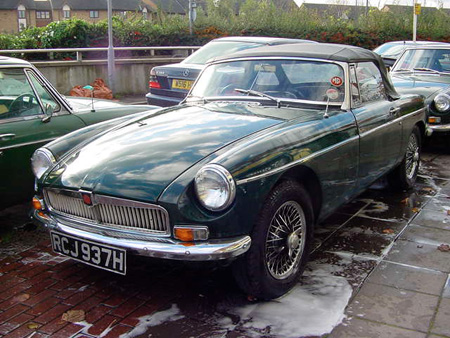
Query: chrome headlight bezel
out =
(442, 102)
(215, 187)
(41, 161)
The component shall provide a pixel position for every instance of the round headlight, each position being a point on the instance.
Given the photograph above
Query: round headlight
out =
(41, 160)
(215, 187)
(442, 102)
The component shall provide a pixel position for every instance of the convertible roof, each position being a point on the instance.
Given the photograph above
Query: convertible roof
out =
(326, 51)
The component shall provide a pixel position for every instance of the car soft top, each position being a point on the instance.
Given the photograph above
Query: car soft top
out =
(326, 51)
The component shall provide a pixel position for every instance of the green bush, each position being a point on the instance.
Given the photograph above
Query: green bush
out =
(255, 18)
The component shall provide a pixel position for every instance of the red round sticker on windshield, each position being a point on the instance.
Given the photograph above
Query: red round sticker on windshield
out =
(336, 81)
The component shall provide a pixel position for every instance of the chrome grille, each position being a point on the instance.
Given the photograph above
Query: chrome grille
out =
(112, 212)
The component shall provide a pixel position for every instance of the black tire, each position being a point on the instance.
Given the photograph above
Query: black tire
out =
(404, 176)
(256, 272)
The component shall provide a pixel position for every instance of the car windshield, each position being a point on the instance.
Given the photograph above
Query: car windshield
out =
(218, 48)
(390, 50)
(434, 60)
(268, 78)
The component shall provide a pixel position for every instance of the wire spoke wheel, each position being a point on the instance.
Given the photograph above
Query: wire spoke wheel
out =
(412, 156)
(285, 240)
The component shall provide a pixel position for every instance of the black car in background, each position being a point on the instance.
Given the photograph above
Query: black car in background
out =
(169, 84)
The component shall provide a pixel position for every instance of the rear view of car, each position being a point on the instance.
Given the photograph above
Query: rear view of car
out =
(169, 84)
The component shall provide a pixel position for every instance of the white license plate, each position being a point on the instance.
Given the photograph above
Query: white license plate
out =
(96, 254)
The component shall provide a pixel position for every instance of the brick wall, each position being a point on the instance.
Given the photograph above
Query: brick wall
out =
(8, 21)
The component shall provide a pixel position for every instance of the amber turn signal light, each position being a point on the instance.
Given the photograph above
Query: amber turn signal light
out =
(191, 233)
(184, 234)
(37, 204)
(434, 119)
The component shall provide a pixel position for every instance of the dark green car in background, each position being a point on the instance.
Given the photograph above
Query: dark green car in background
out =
(268, 143)
(32, 113)
(425, 70)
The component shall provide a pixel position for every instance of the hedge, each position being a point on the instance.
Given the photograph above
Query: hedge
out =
(256, 17)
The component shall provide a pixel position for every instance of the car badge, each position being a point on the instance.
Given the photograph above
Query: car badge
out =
(87, 198)
(186, 72)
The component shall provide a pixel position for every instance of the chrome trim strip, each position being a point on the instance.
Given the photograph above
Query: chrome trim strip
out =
(27, 144)
(321, 152)
(398, 119)
(199, 251)
(292, 164)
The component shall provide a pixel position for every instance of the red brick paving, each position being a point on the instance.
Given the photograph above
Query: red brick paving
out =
(14, 323)
(36, 289)
(103, 324)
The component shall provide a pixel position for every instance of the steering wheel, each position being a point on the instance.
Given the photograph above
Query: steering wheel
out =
(21, 103)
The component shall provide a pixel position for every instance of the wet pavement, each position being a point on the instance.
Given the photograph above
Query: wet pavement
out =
(380, 268)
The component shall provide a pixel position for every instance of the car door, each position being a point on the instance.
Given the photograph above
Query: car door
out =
(380, 133)
(24, 126)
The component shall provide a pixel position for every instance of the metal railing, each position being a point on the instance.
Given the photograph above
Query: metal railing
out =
(79, 51)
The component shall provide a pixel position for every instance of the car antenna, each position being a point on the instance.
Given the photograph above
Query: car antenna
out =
(89, 87)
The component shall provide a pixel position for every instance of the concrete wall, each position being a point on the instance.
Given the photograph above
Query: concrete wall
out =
(131, 75)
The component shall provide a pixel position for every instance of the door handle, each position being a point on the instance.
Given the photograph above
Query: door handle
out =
(7, 137)
(394, 110)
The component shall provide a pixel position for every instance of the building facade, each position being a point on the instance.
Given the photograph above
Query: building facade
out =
(16, 15)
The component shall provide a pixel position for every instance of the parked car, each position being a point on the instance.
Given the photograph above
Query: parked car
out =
(391, 51)
(32, 113)
(169, 84)
(426, 71)
(268, 143)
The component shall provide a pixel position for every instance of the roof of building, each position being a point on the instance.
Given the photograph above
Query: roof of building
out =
(340, 11)
(124, 5)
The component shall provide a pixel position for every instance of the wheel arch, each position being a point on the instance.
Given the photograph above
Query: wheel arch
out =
(422, 128)
(310, 181)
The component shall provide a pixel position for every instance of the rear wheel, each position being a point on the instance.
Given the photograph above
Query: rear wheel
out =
(281, 241)
(405, 175)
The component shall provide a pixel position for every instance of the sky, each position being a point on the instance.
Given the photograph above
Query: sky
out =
(381, 3)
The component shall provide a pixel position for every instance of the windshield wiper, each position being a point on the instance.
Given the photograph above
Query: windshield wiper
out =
(260, 94)
(403, 70)
(422, 69)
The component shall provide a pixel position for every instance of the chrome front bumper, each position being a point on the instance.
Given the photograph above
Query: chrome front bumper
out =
(170, 249)
(439, 127)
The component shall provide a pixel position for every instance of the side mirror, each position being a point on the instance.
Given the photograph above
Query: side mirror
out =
(49, 110)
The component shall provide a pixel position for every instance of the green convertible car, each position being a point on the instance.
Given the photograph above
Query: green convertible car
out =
(268, 143)
(32, 113)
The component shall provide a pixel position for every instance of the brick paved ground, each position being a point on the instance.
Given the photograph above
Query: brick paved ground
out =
(393, 296)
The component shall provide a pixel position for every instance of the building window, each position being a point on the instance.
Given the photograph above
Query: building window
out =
(21, 14)
(66, 12)
(42, 15)
(93, 14)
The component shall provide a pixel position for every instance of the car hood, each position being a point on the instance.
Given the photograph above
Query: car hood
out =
(422, 84)
(81, 104)
(139, 160)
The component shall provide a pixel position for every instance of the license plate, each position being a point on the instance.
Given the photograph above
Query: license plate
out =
(182, 84)
(99, 255)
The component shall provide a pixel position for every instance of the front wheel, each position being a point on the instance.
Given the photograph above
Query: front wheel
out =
(281, 240)
(405, 175)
